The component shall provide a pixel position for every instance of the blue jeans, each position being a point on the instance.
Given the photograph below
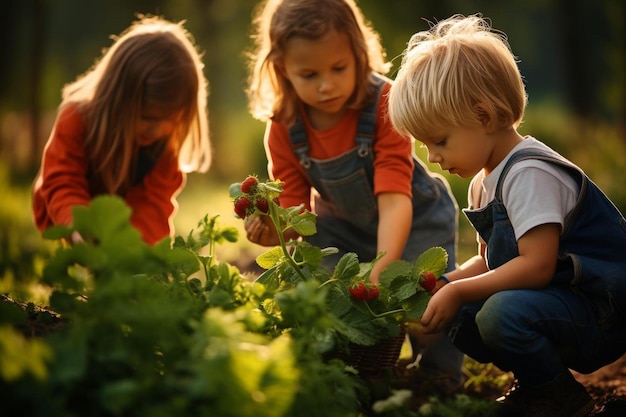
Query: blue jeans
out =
(538, 334)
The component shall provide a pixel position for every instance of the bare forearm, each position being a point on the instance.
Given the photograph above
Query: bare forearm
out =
(476, 265)
(394, 226)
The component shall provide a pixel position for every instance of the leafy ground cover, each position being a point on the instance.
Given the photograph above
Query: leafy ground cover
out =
(133, 330)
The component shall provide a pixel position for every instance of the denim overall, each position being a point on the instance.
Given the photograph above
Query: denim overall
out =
(346, 208)
(579, 320)
(347, 212)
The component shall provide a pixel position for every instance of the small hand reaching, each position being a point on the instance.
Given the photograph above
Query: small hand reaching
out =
(441, 309)
(261, 230)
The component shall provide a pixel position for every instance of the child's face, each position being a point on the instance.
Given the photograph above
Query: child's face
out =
(156, 124)
(322, 71)
(463, 151)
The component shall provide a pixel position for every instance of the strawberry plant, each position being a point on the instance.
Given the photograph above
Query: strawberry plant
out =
(361, 313)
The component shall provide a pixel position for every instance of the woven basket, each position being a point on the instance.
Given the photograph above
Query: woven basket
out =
(376, 358)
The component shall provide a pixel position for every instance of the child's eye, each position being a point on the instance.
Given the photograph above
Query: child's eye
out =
(340, 68)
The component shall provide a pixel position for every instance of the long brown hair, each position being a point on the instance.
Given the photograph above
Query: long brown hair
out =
(270, 95)
(153, 62)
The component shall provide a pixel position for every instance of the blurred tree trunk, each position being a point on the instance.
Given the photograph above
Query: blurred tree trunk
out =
(35, 75)
(583, 29)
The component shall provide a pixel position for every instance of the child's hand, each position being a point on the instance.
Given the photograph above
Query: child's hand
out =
(441, 309)
(260, 230)
(438, 285)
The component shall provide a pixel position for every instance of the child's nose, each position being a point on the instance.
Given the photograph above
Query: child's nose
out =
(325, 85)
(433, 157)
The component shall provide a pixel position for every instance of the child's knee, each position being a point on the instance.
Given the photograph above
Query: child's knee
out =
(500, 317)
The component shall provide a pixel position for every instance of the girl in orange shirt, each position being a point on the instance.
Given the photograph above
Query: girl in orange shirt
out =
(131, 126)
(316, 79)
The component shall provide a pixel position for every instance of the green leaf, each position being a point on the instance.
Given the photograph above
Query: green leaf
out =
(402, 287)
(268, 278)
(57, 232)
(416, 305)
(106, 220)
(304, 224)
(311, 255)
(230, 234)
(395, 269)
(361, 335)
(270, 258)
(434, 260)
(347, 267)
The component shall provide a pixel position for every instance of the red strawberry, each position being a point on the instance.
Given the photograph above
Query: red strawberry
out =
(249, 184)
(242, 207)
(428, 280)
(372, 292)
(262, 205)
(358, 291)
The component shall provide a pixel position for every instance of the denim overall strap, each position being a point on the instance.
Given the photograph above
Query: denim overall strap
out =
(592, 242)
(492, 221)
(366, 133)
(366, 128)
(300, 144)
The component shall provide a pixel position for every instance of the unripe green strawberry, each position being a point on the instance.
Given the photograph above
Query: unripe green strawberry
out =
(243, 207)
(372, 292)
(249, 184)
(428, 280)
(262, 205)
(358, 291)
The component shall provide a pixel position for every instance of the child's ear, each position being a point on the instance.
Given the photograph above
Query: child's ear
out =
(485, 116)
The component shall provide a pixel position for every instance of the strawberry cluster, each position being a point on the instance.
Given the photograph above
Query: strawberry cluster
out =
(250, 199)
(362, 291)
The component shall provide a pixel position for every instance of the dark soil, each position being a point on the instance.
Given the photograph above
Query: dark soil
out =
(607, 386)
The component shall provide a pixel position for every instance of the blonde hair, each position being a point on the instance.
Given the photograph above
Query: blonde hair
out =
(454, 73)
(152, 63)
(270, 95)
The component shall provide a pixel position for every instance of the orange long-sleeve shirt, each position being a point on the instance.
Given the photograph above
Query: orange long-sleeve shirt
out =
(62, 183)
(393, 165)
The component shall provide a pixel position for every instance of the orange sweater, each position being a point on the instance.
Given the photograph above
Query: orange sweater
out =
(393, 165)
(62, 183)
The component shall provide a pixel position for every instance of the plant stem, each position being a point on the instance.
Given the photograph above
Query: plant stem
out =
(328, 282)
(386, 313)
(281, 237)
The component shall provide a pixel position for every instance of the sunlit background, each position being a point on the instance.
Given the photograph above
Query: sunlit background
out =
(571, 54)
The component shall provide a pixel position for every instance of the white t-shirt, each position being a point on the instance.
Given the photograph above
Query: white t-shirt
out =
(534, 192)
